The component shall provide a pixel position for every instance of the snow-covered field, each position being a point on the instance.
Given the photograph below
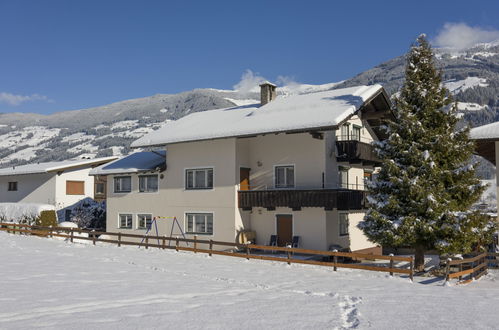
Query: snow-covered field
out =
(53, 284)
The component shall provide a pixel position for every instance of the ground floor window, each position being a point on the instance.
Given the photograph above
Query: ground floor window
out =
(12, 186)
(200, 223)
(144, 221)
(343, 224)
(125, 221)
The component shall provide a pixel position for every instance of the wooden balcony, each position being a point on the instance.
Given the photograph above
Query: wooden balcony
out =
(329, 199)
(356, 152)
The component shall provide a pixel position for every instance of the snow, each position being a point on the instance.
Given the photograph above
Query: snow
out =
(77, 137)
(16, 212)
(28, 136)
(55, 284)
(51, 166)
(243, 101)
(124, 124)
(456, 86)
(468, 106)
(87, 147)
(67, 224)
(137, 162)
(297, 112)
(489, 131)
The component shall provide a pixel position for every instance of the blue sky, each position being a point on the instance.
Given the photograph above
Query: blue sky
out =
(63, 55)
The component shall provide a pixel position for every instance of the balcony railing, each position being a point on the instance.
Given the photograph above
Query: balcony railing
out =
(354, 151)
(329, 199)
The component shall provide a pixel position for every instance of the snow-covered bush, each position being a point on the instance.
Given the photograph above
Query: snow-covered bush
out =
(27, 213)
(89, 213)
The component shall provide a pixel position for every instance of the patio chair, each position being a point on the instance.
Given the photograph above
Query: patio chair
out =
(273, 240)
(296, 242)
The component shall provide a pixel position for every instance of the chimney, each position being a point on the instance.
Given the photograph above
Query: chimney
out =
(267, 92)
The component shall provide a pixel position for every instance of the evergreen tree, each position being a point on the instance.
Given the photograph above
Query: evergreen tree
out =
(426, 187)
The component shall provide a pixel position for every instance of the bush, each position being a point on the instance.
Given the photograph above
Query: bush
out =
(47, 219)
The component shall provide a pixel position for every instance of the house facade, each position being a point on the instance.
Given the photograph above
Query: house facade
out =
(293, 168)
(61, 184)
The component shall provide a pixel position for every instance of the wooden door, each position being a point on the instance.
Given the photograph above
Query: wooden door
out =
(284, 229)
(244, 178)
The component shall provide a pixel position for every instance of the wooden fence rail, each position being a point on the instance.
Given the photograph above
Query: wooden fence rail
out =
(469, 269)
(247, 251)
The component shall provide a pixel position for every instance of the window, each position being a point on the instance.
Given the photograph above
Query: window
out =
(344, 132)
(122, 184)
(200, 223)
(67, 215)
(144, 221)
(12, 186)
(75, 187)
(284, 176)
(356, 132)
(201, 178)
(148, 183)
(100, 188)
(343, 173)
(125, 221)
(343, 224)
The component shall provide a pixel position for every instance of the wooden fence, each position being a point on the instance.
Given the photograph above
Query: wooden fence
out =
(248, 251)
(469, 269)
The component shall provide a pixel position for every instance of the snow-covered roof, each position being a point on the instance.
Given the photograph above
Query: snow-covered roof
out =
(312, 111)
(39, 168)
(485, 132)
(137, 162)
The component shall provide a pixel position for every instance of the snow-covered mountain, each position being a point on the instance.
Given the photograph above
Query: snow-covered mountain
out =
(472, 75)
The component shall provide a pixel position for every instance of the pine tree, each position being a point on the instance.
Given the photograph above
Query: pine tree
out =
(423, 194)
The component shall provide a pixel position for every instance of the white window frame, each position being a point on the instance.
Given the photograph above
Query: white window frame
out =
(359, 128)
(340, 170)
(131, 220)
(347, 136)
(122, 191)
(285, 176)
(194, 232)
(207, 169)
(138, 219)
(146, 177)
(342, 230)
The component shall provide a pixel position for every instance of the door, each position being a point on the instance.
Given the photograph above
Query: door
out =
(244, 178)
(284, 229)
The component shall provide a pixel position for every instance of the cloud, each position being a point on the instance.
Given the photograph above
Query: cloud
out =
(16, 99)
(249, 82)
(461, 35)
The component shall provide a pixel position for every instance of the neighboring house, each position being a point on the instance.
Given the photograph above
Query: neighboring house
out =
(292, 166)
(487, 145)
(61, 184)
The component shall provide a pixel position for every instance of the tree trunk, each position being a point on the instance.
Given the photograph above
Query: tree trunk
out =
(419, 258)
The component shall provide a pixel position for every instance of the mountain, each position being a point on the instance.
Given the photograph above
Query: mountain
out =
(472, 75)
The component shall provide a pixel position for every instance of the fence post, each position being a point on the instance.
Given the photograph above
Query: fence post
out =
(147, 242)
(447, 269)
(391, 264)
(248, 251)
(195, 243)
(411, 275)
(289, 257)
(93, 238)
(211, 247)
(460, 269)
(72, 235)
(335, 260)
(119, 239)
(164, 242)
(176, 244)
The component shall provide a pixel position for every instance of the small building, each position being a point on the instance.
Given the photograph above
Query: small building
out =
(61, 184)
(486, 138)
(292, 168)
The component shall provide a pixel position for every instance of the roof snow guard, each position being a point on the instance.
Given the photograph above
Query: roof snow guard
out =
(297, 113)
(49, 167)
(485, 137)
(138, 162)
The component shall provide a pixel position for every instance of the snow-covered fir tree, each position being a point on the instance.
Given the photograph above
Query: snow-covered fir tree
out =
(424, 191)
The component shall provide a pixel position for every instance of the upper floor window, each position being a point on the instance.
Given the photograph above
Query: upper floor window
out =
(122, 184)
(100, 188)
(199, 223)
(199, 178)
(343, 224)
(125, 221)
(12, 186)
(144, 221)
(75, 187)
(284, 176)
(356, 132)
(148, 183)
(343, 174)
(345, 132)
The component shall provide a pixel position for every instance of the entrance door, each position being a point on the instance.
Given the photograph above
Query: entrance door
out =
(284, 229)
(244, 177)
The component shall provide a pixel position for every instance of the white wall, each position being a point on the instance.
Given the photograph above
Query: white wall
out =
(64, 200)
(32, 188)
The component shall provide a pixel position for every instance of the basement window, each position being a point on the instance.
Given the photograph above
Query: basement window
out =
(12, 186)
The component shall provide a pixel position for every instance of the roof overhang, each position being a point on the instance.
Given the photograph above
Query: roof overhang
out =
(487, 149)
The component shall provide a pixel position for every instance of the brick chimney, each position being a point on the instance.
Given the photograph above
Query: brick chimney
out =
(267, 92)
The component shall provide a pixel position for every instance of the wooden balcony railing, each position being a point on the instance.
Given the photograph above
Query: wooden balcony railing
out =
(329, 199)
(356, 152)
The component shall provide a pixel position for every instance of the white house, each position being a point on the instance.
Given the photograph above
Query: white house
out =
(487, 145)
(291, 168)
(61, 184)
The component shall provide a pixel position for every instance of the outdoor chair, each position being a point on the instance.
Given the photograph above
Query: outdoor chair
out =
(273, 240)
(296, 242)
